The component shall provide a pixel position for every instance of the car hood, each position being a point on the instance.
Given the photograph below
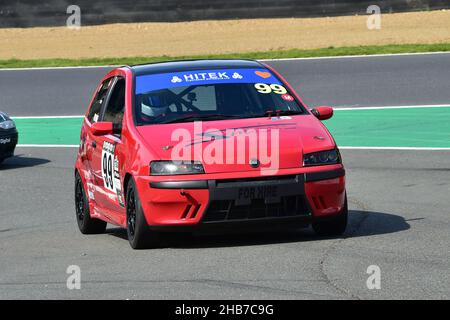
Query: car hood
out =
(235, 145)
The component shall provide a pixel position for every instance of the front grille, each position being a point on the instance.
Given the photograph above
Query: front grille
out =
(226, 210)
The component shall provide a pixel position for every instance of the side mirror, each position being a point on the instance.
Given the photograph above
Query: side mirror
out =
(323, 113)
(102, 128)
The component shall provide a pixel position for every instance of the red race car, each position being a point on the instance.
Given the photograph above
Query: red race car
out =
(205, 144)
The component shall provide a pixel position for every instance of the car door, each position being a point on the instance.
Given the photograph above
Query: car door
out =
(89, 141)
(108, 154)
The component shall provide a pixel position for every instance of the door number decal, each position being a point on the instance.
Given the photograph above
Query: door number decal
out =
(108, 165)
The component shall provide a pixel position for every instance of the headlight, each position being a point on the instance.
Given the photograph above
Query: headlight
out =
(8, 124)
(166, 168)
(322, 158)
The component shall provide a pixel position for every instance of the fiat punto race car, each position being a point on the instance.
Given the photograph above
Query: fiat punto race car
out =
(205, 144)
(8, 136)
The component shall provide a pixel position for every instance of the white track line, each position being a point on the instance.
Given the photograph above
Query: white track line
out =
(48, 117)
(394, 148)
(47, 145)
(336, 109)
(392, 107)
(359, 56)
(341, 148)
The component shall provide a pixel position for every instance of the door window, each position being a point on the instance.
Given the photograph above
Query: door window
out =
(99, 99)
(116, 103)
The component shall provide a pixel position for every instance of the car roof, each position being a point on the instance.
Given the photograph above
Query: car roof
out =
(188, 65)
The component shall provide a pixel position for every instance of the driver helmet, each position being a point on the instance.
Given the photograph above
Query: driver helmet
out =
(153, 106)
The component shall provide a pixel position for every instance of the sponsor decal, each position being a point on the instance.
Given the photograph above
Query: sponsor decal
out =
(120, 198)
(265, 88)
(263, 74)
(111, 172)
(287, 97)
(176, 79)
(237, 76)
(146, 83)
(91, 189)
(107, 165)
(117, 183)
(5, 141)
(206, 76)
(281, 118)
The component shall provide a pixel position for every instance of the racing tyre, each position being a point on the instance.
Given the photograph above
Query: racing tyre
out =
(1, 160)
(137, 229)
(334, 226)
(86, 224)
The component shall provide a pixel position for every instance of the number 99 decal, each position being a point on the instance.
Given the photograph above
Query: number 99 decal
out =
(108, 165)
(266, 88)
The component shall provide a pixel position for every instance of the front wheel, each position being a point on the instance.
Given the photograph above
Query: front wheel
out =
(86, 224)
(334, 226)
(137, 229)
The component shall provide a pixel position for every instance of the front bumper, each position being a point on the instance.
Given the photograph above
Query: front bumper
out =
(285, 199)
(8, 142)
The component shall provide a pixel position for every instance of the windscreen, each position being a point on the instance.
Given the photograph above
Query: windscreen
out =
(211, 95)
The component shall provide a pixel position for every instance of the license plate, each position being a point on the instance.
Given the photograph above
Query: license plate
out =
(262, 192)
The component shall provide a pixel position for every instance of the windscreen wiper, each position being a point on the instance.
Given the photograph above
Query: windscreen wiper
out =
(278, 113)
(197, 117)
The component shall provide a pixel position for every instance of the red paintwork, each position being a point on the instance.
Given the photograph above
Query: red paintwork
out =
(102, 128)
(324, 113)
(140, 145)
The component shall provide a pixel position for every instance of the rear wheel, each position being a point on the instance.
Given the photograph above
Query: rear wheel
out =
(334, 226)
(137, 229)
(86, 224)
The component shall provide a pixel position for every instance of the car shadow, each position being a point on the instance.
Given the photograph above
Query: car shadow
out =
(21, 161)
(361, 224)
(117, 232)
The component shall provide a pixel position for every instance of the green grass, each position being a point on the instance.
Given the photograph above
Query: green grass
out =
(275, 54)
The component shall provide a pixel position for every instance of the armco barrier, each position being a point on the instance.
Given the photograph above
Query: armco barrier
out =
(29, 13)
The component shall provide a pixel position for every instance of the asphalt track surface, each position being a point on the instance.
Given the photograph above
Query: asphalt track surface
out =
(343, 82)
(399, 216)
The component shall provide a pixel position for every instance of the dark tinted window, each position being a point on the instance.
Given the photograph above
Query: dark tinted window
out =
(99, 99)
(212, 95)
(238, 100)
(116, 104)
